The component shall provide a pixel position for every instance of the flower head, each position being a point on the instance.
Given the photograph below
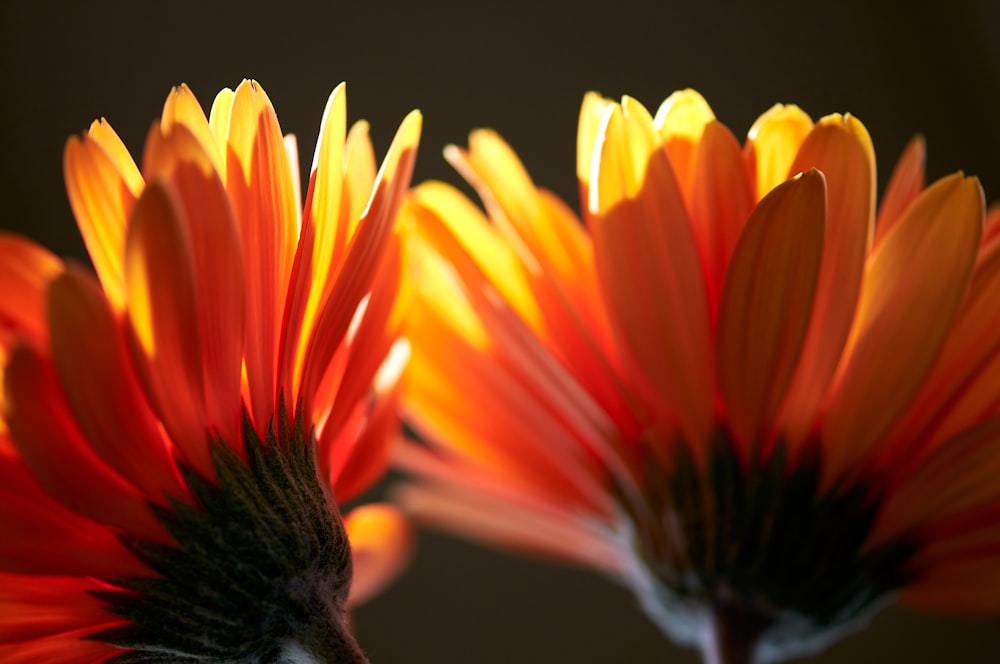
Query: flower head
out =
(176, 436)
(761, 403)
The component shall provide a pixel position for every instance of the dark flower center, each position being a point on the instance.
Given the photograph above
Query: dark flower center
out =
(757, 549)
(261, 567)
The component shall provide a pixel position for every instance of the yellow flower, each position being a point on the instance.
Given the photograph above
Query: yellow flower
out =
(177, 435)
(762, 406)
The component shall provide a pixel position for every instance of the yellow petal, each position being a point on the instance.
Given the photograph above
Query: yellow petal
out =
(772, 143)
(767, 302)
(914, 283)
(102, 201)
(218, 121)
(381, 540)
(591, 112)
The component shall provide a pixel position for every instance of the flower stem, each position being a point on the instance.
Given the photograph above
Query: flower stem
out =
(731, 635)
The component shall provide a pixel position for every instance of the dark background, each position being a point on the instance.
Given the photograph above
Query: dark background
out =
(521, 68)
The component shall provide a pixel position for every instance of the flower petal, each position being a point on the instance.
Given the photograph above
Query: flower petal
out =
(681, 120)
(364, 255)
(767, 302)
(914, 283)
(259, 181)
(840, 147)
(217, 263)
(25, 271)
(41, 536)
(102, 390)
(183, 109)
(772, 143)
(102, 200)
(52, 446)
(906, 183)
(721, 198)
(381, 540)
(33, 607)
(163, 316)
(649, 269)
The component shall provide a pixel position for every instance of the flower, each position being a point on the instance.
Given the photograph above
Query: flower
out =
(762, 406)
(174, 435)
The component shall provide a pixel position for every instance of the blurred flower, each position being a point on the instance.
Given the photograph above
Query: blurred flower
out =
(176, 437)
(760, 405)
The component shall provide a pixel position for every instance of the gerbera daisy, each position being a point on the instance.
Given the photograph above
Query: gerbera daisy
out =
(177, 435)
(735, 387)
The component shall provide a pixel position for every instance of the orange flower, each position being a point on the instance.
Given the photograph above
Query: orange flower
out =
(173, 436)
(761, 405)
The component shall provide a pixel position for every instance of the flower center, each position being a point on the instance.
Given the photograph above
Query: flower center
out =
(260, 570)
(757, 551)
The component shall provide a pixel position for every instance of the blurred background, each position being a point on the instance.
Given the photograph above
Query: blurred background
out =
(522, 68)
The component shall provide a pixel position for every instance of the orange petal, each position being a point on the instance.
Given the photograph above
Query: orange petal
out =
(906, 183)
(721, 198)
(25, 271)
(649, 269)
(183, 109)
(364, 255)
(840, 147)
(102, 133)
(217, 263)
(914, 283)
(320, 248)
(962, 388)
(61, 459)
(957, 476)
(164, 320)
(102, 201)
(381, 540)
(88, 347)
(772, 143)
(368, 457)
(260, 186)
(538, 530)
(767, 302)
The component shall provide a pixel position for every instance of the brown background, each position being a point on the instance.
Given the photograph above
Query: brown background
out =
(520, 67)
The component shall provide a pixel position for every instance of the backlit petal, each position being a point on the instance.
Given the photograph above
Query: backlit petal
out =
(767, 302)
(649, 269)
(381, 546)
(772, 143)
(914, 280)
